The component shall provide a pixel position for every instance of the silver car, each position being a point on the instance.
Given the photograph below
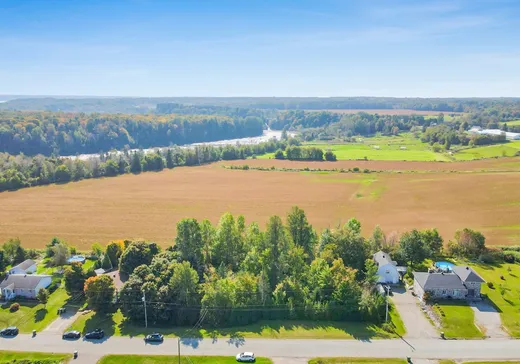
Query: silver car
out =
(246, 357)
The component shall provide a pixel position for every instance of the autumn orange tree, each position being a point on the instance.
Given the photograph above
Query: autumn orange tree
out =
(99, 292)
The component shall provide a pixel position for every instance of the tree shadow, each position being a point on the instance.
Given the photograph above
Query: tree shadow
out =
(100, 320)
(40, 314)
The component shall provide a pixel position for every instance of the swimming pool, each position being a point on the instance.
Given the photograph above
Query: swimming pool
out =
(76, 259)
(446, 266)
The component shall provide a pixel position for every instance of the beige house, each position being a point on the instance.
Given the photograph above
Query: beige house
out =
(23, 285)
(462, 283)
(27, 266)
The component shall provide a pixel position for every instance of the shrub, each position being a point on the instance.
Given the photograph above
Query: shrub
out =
(355, 169)
(502, 278)
(491, 285)
(14, 307)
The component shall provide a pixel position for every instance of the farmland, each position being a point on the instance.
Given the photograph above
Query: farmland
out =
(149, 205)
(406, 147)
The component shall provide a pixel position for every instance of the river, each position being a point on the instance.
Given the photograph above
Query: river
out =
(266, 136)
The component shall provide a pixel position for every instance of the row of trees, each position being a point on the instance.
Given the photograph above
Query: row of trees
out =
(22, 171)
(296, 153)
(70, 134)
(450, 135)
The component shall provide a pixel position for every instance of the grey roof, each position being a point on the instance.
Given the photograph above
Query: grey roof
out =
(467, 274)
(383, 258)
(23, 281)
(430, 281)
(25, 264)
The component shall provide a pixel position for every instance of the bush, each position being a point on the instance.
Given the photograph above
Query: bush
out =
(355, 169)
(490, 285)
(14, 307)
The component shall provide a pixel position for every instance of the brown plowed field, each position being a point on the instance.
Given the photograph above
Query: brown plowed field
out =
(149, 205)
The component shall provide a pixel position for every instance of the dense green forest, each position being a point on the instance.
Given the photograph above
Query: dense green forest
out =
(145, 105)
(70, 134)
(24, 171)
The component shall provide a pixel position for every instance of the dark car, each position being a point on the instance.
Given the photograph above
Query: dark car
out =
(9, 331)
(154, 338)
(71, 335)
(96, 334)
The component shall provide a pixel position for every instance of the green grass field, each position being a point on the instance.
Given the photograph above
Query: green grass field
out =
(356, 361)
(488, 151)
(33, 315)
(12, 357)
(505, 294)
(406, 147)
(458, 320)
(163, 359)
(114, 324)
(513, 123)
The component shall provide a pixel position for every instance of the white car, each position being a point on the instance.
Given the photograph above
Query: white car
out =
(246, 357)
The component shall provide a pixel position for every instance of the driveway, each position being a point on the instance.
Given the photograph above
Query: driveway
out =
(62, 322)
(415, 321)
(488, 318)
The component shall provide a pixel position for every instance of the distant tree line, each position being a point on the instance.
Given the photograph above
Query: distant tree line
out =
(23, 171)
(145, 105)
(70, 134)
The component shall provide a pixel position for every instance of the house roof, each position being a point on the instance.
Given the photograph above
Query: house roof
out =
(467, 274)
(383, 258)
(23, 281)
(430, 281)
(99, 271)
(25, 264)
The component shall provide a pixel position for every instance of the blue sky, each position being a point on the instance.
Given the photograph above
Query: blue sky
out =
(260, 48)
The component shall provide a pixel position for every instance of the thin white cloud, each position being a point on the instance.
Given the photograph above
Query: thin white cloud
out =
(413, 9)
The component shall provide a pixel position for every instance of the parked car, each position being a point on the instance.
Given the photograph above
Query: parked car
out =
(154, 338)
(9, 331)
(96, 334)
(71, 335)
(246, 357)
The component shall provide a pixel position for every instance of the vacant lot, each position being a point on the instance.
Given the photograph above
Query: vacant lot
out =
(115, 324)
(149, 205)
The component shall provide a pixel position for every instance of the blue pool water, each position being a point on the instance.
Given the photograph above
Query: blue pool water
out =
(444, 265)
(76, 259)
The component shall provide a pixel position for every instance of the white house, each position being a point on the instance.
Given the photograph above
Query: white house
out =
(27, 266)
(23, 285)
(386, 268)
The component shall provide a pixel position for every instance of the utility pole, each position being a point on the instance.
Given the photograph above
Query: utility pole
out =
(387, 294)
(145, 316)
(179, 348)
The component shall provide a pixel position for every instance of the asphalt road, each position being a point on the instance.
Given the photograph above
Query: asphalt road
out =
(499, 349)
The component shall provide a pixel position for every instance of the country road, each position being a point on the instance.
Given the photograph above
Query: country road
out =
(504, 349)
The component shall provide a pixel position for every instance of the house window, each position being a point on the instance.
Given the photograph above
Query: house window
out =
(444, 292)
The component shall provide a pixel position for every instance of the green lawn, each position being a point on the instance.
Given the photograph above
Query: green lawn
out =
(506, 292)
(458, 320)
(33, 315)
(88, 264)
(355, 361)
(446, 362)
(491, 362)
(163, 359)
(46, 358)
(114, 324)
(488, 151)
(512, 123)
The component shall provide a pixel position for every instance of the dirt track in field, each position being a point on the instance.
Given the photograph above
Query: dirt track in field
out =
(500, 164)
(149, 205)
